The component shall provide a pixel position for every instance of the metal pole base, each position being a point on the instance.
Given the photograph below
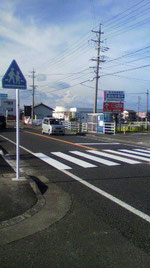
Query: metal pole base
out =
(20, 179)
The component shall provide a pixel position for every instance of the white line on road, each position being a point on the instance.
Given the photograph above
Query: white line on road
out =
(133, 155)
(15, 144)
(129, 155)
(74, 160)
(104, 143)
(122, 159)
(99, 191)
(94, 158)
(142, 150)
(141, 153)
(51, 161)
(109, 196)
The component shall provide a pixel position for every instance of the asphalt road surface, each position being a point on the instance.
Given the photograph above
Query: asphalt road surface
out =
(109, 221)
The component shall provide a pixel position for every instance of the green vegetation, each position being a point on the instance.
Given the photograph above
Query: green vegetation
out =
(133, 127)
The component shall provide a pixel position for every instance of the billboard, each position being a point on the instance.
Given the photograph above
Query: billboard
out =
(113, 96)
(113, 107)
(3, 96)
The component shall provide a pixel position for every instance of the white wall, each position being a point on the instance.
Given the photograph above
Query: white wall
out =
(8, 105)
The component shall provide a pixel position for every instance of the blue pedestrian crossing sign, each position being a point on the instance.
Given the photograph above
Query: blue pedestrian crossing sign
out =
(14, 78)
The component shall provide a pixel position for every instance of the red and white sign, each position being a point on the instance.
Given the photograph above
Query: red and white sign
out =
(113, 107)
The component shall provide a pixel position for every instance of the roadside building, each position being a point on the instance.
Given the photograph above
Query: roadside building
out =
(74, 113)
(41, 110)
(8, 108)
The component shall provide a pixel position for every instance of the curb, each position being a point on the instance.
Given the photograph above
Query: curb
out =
(57, 205)
(51, 206)
(30, 212)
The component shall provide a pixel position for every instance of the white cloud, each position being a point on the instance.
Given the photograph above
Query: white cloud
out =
(41, 47)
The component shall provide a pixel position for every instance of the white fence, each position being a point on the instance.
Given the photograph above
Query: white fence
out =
(72, 126)
(75, 126)
(109, 128)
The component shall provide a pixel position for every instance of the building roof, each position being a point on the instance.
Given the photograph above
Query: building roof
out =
(130, 111)
(42, 104)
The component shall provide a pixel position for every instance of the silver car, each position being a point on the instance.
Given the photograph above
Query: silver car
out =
(52, 126)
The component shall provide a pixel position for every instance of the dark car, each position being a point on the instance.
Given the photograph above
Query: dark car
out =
(2, 121)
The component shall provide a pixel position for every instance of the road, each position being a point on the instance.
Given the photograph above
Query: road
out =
(109, 221)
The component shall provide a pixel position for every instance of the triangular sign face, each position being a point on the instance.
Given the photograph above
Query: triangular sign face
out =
(14, 78)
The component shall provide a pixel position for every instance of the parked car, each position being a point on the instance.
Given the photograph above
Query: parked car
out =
(2, 121)
(52, 126)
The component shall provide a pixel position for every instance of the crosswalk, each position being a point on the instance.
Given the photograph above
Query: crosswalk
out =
(92, 158)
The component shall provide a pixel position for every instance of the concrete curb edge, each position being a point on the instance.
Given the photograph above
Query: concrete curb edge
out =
(30, 212)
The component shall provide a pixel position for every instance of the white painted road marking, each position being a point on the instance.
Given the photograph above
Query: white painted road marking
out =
(142, 150)
(132, 154)
(141, 153)
(74, 160)
(109, 196)
(103, 143)
(98, 190)
(122, 159)
(51, 161)
(94, 158)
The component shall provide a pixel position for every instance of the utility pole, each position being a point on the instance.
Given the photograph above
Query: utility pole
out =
(98, 60)
(139, 98)
(33, 93)
(147, 95)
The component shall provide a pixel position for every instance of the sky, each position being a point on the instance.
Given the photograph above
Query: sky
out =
(54, 38)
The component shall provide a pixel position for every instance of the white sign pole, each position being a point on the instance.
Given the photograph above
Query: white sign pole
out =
(12, 79)
(17, 135)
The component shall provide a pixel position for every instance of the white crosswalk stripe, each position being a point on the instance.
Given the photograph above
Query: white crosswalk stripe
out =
(119, 158)
(141, 153)
(135, 155)
(74, 160)
(94, 158)
(121, 155)
(52, 161)
(142, 150)
(128, 153)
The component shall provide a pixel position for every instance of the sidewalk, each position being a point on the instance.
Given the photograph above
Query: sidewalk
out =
(15, 196)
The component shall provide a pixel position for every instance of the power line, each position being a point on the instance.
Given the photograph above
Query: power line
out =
(79, 43)
(60, 80)
(126, 18)
(127, 70)
(133, 78)
(129, 28)
(129, 54)
(110, 21)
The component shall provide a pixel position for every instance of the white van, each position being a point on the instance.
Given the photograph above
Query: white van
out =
(52, 126)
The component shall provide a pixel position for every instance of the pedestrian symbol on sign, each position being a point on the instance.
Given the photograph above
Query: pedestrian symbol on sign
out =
(14, 78)
(11, 76)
